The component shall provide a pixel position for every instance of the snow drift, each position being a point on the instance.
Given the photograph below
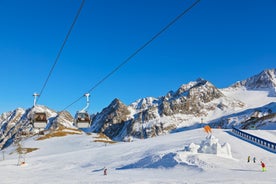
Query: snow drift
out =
(211, 145)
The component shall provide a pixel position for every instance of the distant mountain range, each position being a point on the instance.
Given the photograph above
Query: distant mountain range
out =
(150, 116)
(192, 105)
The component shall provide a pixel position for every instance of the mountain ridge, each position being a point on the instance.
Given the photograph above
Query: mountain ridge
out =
(264, 80)
(195, 103)
(154, 116)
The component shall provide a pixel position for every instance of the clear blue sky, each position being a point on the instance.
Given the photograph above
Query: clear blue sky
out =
(221, 41)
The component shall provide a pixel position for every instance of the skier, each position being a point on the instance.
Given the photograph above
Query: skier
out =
(254, 159)
(248, 159)
(105, 171)
(263, 166)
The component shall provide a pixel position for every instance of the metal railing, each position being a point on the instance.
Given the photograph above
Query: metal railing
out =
(268, 145)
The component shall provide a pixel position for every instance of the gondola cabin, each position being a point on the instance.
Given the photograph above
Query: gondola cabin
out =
(82, 120)
(39, 120)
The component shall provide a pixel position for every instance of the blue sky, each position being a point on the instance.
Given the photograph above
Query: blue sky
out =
(221, 41)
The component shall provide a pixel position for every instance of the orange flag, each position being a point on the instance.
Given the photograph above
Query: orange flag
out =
(207, 129)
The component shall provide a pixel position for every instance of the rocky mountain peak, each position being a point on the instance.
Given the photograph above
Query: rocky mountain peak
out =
(18, 122)
(111, 119)
(204, 91)
(144, 103)
(186, 87)
(264, 80)
(190, 98)
(200, 89)
(63, 118)
(116, 104)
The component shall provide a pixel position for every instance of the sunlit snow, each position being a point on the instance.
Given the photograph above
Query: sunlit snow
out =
(163, 159)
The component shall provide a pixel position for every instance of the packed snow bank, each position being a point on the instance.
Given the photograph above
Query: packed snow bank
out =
(211, 145)
(170, 160)
(187, 158)
(154, 161)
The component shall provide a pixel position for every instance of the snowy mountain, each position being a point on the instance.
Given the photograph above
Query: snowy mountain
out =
(264, 80)
(192, 105)
(189, 106)
(18, 122)
(262, 117)
(149, 117)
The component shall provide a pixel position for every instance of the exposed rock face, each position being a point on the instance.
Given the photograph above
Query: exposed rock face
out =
(264, 80)
(150, 116)
(112, 119)
(10, 126)
(190, 98)
(63, 118)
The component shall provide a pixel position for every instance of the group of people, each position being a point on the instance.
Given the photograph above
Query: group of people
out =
(254, 160)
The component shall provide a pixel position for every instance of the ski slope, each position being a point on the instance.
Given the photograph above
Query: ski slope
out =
(78, 159)
(265, 134)
(252, 98)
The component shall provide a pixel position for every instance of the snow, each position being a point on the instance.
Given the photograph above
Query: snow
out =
(211, 145)
(79, 159)
(265, 134)
(144, 102)
(252, 98)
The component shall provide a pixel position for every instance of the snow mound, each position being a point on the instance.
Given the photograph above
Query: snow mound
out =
(165, 161)
(154, 161)
(193, 161)
(187, 158)
(211, 145)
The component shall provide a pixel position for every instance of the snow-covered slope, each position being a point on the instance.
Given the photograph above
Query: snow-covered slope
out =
(264, 80)
(252, 98)
(258, 93)
(253, 118)
(79, 159)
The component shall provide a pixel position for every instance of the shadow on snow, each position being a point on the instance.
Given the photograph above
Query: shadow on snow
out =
(166, 161)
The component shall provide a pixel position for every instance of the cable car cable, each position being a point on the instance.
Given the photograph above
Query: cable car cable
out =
(136, 52)
(61, 48)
